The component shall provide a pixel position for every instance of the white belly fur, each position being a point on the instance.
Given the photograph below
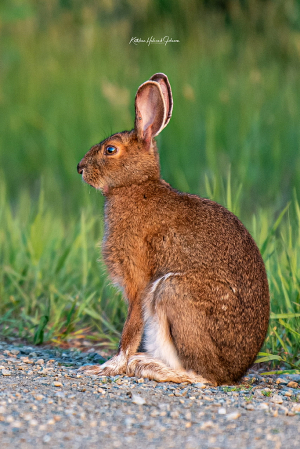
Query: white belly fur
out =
(158, 341)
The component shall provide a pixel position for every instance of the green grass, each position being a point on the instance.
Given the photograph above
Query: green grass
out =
(68, 78)
(51, 285)
(266, 393)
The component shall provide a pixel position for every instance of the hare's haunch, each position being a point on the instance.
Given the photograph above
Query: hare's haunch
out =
(195, 282)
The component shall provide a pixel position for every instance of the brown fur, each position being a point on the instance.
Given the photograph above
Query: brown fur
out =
(211, 292)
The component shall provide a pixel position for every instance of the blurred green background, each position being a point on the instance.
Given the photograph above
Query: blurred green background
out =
(68, 77)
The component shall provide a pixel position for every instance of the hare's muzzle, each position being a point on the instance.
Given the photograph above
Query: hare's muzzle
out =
(80, 168)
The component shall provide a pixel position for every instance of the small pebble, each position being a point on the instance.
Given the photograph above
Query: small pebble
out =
(293, 384)
(200, 385)
(188, 416)
(258, 394)
(280, 380)
(40, 362)
(295, 377)
(233, 415)
(33, 422)
(15, 351)
(137, 400)
(16, 424)
(5, 372)
(27, 360)
(27, 416)
(180, 393)
(207, 425)
(276, 399)
(250, 407)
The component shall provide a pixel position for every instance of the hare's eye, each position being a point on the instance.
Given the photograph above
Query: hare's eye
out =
(110, 150)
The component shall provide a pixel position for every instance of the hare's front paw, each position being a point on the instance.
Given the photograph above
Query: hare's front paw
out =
(116, 365)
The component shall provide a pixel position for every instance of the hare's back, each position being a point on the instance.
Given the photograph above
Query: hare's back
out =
(197, 233)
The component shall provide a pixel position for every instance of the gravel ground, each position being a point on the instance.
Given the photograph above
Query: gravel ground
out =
(45, 403)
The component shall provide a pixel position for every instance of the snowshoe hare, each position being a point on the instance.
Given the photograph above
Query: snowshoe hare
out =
(192, 275)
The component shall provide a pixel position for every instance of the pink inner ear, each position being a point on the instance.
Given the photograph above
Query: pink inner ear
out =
(150, 109)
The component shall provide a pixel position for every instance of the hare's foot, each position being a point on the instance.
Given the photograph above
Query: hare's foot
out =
(143, 365)
(116, 365)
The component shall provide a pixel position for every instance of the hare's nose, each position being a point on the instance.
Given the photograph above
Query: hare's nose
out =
(79, 168)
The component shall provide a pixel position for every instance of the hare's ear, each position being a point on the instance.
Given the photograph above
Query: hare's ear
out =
(163, 81)
(150, 110)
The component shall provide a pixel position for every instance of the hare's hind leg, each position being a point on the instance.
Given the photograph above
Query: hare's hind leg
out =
(143, 365)
(192, 323)
(161, 361)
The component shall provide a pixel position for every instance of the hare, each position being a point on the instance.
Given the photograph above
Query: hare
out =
(193, 277)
